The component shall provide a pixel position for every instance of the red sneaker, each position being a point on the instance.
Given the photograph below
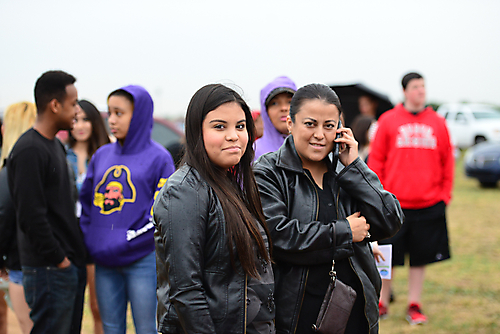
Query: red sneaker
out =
(382, 310)
(415, 315)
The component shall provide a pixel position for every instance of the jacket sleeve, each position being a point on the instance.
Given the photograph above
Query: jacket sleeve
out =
(31, 204)
(180, 215)
(298, 242)
(380, 208)
(448, 166)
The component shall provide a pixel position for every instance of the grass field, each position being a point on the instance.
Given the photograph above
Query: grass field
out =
(461, 295)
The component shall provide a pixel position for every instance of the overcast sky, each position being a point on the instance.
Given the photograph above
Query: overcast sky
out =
(173, 48)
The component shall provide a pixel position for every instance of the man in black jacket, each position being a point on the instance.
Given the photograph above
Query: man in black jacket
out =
(51, 245)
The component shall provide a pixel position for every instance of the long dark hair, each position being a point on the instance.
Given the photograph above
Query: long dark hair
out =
(313, 92)
(99, 135)
(236, 188)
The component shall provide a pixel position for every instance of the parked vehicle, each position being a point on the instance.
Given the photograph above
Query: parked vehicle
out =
(482, 162)
(470, 124)
(164, 132)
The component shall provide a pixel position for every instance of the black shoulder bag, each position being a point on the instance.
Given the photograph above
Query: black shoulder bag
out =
(336, 306)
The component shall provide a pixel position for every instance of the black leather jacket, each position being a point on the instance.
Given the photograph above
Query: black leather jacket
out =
(291, 204)
(198, 292)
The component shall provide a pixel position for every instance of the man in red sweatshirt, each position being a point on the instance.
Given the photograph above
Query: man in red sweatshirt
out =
(413, 157)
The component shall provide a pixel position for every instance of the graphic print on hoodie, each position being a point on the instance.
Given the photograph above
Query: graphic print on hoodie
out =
(272, 138)
(121, 184)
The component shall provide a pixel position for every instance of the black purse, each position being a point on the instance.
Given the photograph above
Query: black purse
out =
(337, 305)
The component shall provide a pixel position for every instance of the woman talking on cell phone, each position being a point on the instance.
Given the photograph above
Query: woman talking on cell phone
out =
(213, 263)
(318, 211)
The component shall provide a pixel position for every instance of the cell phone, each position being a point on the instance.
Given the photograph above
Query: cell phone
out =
(336, 147)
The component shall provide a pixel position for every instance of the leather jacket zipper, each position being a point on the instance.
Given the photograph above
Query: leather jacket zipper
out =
(302, 300)
(307, 271)
(317, 195)
(364, 296)
(337, 202)
(359, 278)
(350, 262)
(246, 298)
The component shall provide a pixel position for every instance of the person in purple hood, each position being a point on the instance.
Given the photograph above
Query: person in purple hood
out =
(123, 179)
(275, 100)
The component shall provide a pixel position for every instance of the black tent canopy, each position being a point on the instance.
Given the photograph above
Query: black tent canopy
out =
(349, 95)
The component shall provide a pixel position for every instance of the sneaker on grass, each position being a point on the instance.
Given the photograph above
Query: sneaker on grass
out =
(382, 310)
(415, 315)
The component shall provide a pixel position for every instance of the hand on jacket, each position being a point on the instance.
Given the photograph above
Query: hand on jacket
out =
(348, 146)
(359, 227)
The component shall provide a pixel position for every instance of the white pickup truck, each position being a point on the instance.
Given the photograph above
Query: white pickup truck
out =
(470, 124)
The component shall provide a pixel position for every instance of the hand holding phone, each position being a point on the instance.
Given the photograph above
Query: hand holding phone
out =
(346, 146)
(336, 147)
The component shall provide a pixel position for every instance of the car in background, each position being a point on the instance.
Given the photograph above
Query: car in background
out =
(482, 162)
(470, 124)
(164, 131)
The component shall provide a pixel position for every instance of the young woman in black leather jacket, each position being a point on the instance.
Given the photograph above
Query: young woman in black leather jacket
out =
(213, 264)
(317, 212)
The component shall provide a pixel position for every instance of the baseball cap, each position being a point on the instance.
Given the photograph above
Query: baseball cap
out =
(278, 91)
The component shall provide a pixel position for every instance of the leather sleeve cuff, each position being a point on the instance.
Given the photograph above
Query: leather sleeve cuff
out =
(343, 239)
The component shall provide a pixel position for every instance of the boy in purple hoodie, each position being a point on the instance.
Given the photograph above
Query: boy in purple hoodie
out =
(275, 100)
(122, 181)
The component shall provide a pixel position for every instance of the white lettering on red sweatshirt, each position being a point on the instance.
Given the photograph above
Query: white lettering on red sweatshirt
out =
(413, 157)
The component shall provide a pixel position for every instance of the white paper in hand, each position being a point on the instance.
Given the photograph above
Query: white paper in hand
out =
(384, 266)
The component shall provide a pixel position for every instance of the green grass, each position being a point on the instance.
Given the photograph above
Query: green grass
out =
(461, 295)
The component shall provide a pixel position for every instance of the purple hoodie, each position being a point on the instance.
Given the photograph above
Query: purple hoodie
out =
(272, 138)
(118, 193)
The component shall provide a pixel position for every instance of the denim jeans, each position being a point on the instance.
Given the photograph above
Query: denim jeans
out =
(55, 297)
(135, 283)
(16, 276)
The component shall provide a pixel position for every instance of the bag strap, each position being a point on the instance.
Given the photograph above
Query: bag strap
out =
(333, 273)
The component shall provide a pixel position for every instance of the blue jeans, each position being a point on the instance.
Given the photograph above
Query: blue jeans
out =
(55, 297)
(16, 276)
(135, 283)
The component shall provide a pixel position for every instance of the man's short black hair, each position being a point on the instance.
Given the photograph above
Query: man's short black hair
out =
(51, 85)
(408, 77)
